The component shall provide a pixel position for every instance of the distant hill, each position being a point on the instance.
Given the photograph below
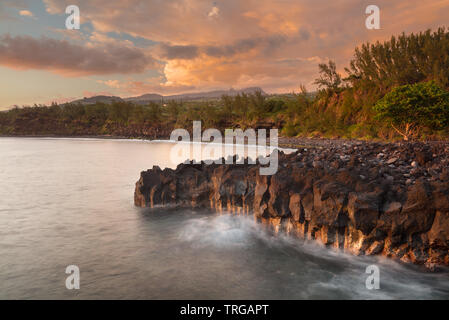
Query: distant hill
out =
(146, 97)
(95, 99)
(213, 94)
(154, 97)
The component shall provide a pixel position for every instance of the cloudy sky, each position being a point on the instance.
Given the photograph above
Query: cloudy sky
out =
(132, 47)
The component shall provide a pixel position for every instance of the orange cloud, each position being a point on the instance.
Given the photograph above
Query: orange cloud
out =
(111, 83)
(26, 13)
(270, 43)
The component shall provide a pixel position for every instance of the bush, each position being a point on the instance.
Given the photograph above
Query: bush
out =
(411, 108)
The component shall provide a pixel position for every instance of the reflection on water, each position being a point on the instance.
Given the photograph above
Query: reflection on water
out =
(70, 201)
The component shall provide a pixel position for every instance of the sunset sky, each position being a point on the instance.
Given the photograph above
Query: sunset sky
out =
(133, 47)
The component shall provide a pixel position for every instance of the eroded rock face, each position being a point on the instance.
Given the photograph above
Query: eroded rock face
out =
(354, 201)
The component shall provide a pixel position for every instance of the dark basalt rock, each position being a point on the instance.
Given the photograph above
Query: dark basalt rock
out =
(365, 198)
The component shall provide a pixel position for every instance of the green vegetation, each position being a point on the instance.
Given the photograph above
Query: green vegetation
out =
(133, 120)
(393, 90)
(412, 108)
(346, 108)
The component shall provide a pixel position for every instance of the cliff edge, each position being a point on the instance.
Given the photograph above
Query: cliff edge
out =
(364, 198)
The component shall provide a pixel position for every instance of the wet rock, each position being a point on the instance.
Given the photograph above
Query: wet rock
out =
(363, 211)
(296, 208)
(417, 214)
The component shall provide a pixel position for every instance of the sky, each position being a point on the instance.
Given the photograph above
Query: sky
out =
(133, 47)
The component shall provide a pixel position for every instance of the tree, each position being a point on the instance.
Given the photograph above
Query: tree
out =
(410, 108)
(257, 105)
(174, 110)
(404, 59)
(154, 111)
(329, 78)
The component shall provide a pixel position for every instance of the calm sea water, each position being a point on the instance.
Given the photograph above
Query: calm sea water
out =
(70, 202)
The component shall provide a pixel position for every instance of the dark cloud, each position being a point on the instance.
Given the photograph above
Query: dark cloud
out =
(179, 52)
(240, 46)
(189, 52)
(63, 57)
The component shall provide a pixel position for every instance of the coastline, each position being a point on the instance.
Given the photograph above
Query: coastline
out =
(363, 198)
(284, 142)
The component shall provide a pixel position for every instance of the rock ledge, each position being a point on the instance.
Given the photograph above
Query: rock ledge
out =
(364, 198)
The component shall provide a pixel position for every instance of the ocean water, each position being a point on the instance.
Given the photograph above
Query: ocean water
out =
(70, 202)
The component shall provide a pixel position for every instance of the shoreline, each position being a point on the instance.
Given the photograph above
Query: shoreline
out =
(284, 142)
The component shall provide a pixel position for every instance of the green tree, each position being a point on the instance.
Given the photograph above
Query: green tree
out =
(174, 110)
(329, 78)
(410, 108)
(120, 111)
(404, 59)
(155, 111)
(257, 105)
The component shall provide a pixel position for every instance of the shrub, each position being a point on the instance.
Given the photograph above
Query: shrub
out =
(411, 108)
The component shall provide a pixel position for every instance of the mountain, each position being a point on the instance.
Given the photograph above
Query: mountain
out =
(146, 97)
(96, 99)
(213, 94)
(154, 97)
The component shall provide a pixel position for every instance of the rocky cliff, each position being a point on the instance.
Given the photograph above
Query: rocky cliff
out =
(364, 198)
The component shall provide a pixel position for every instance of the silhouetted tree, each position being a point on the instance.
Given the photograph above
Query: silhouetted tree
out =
(329, 79)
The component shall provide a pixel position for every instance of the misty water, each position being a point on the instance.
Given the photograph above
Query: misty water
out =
(70, 202)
